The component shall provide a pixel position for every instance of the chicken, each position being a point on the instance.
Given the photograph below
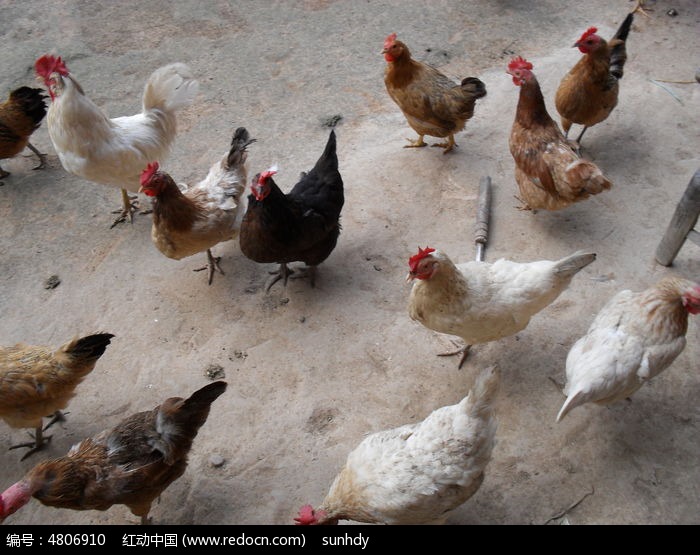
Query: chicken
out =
(550, 175)
(634, 337)
(36, 381)
(431, 102)
(302, 225)
(20, 116)
(114, 151)
(417, 473)
(481, 301)
(205, 214)
(130, 464)
(589, 92)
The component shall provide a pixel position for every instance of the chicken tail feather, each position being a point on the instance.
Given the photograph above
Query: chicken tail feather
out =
(170, 88)
(88, 348)
(237, 155)
(618, 54)
(571, 265)
(479, 402)
(588, 177)
(572, 401)
(474, 86)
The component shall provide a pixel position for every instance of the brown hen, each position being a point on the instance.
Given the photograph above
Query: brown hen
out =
(131, 464)
(36, 381)
(20, 116)
(433, 104)
(549, 173)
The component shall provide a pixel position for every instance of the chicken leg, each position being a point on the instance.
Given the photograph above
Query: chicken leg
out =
(212, 266)
(130, 203)
(449, 145)
(282, 273)
(42, 157)
(419, 142)
(464, 351)
(38, 444)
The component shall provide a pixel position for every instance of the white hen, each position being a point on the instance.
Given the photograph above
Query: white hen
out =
(418, 473)
(481, 301)
(114, 151)
(634, 338)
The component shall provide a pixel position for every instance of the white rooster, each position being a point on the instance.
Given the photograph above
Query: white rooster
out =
(114, 151)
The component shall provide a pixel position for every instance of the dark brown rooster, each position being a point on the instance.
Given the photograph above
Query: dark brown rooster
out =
(36, 381)
(131, 464)
(432, 103)
(20, 116)
(589, 92)
(302, 225)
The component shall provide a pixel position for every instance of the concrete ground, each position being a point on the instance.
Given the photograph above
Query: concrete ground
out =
(311, 371)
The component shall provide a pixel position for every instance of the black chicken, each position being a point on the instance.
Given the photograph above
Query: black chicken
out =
(302, 225)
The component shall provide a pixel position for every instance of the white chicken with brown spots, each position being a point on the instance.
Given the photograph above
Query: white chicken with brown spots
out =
(636, 336)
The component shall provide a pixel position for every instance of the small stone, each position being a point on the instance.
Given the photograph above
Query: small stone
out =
(377, 268)
(284, 300)
(52, 282)
(302, 319)
(673, 12)
(216, 461)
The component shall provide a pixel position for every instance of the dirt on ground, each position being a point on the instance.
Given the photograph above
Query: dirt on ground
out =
(312, 371)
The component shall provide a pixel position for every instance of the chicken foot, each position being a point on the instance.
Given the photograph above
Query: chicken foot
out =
(130, 203)
(419, 142)
(212, 266)
(282, 273)
(42, 157)
(37, 445)
(464, 352)
(448, 146)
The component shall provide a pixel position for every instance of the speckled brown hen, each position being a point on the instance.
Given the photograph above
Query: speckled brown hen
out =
(549, 173)
(131, 464)
(194, 219)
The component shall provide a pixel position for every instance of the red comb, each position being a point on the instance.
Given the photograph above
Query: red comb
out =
(306, 515)
(416, 258)
(519, 63)
(146, 174)
(587, 33)
(264, 176)
(48, 64)
(389, 41)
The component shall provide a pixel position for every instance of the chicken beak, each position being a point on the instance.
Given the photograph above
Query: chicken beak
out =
(576, 44)
(141, 189)
(410, 276)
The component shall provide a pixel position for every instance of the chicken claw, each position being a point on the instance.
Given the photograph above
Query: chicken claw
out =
(464, 352)
(130, 205)
(42, 157)
(38, 444)
(212, 266)
(419, 142)
(282, 273)
(448, 146)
